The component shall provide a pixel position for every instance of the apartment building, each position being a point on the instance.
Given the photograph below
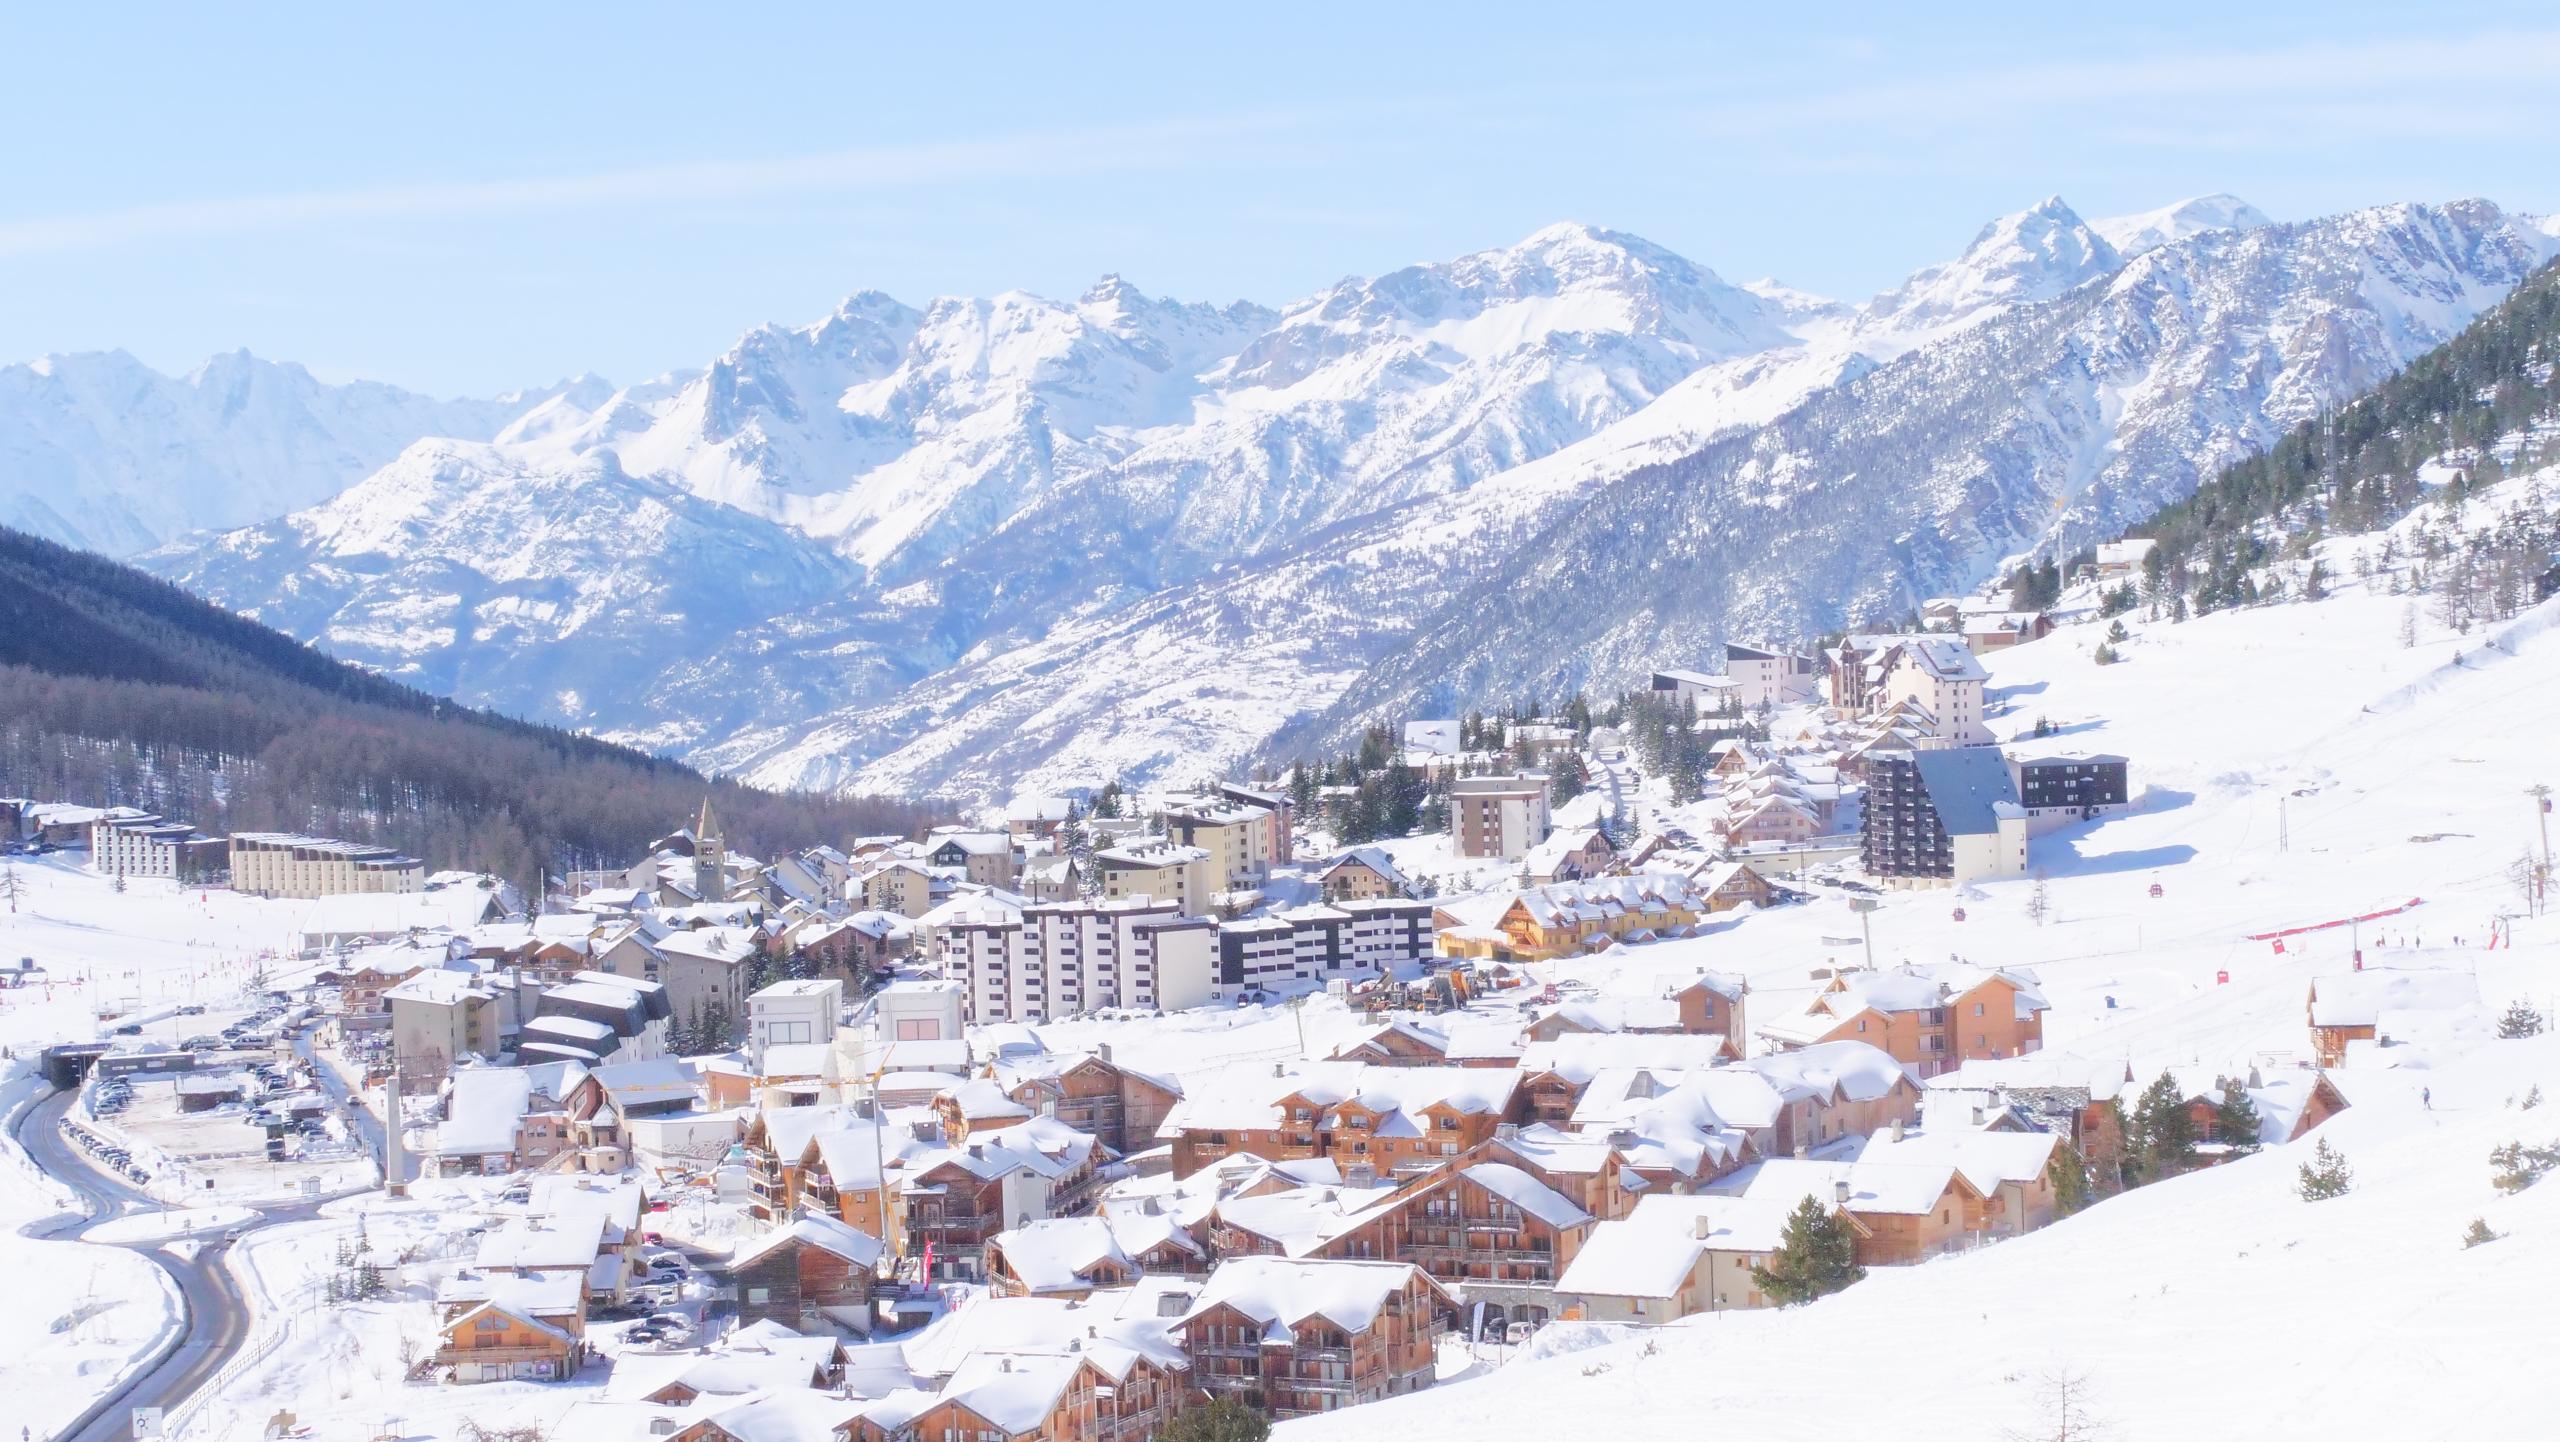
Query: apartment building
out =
(1942, 818)
(1246, 832)
(137, 843)
(1499, 817)
(275, 863)
(1318, 943)
(1032, 963)
(1161, 869)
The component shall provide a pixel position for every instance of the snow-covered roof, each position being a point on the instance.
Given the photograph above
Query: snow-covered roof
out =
(813, 1229)
(2359, 998)
(388, 913)
(1282, 1293)
(1531, 1196)
(1050, 1254)
(1967, 785)
(482, 1110)
(527, 1294)
(545, 1244)
(1899, 1188)
(1987, 1158)
(1375, 858)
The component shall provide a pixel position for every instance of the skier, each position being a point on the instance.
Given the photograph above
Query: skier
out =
(2427, 1098)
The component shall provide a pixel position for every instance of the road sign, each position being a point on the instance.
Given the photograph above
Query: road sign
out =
(146, 1424)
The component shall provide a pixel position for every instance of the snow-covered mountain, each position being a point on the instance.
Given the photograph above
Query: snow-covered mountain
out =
(100, 450)
(1023, 541)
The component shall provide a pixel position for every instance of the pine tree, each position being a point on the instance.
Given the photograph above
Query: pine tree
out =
(2520, 1166)
(11, 887)
(2235, 1117)
(1816, 1256)
(1225, 1419)
(2326, 1175)
(2068, 1173)
(2478, 1234)
(2039, 903)
(2519, 1022)
(2162, 1139)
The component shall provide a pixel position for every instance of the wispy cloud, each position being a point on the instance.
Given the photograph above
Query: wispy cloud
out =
(1158, 145)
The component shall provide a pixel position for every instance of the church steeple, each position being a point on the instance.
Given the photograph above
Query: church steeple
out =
(710, 857)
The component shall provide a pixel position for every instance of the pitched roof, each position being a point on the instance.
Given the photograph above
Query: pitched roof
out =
(1966, 785)
(814, 1229)
(2359, 998)
(1283, 1292)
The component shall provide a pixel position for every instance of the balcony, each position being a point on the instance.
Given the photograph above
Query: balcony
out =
(455, 1356)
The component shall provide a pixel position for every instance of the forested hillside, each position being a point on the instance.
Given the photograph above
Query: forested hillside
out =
(117, 688)
(2476, 409)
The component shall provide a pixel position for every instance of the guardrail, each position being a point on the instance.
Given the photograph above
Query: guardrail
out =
(178, 1418)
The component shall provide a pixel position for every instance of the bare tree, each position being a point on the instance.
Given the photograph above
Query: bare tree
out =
(2066, 1409)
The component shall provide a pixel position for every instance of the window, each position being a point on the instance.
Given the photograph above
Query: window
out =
(1977, 1008)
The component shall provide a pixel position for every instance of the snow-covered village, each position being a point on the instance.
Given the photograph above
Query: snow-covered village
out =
(1531, 843)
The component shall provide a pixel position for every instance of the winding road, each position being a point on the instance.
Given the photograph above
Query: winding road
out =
(215, 1321)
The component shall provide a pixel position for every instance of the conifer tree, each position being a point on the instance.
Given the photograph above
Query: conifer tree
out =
(2068, 1173)
(2162, 1137)
(2327, 1174)
(1816, 1256)
(2235, 1117)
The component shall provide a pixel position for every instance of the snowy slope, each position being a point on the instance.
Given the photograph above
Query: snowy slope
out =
(2400, 770)
(101, 451)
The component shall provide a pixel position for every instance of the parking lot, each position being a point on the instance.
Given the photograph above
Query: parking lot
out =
(244, 1120)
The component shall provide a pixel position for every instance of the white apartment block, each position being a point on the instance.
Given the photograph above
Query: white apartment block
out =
(274, 863)
(1766, 677)
(789, 1013)
(1941, 675)
(1498, 816)
(136, 843)
(1163, 870)
(1318, 943)
(1037, 962)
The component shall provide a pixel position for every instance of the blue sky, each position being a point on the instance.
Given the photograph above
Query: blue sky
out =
(467, 200)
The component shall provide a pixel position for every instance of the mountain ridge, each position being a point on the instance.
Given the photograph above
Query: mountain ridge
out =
(1040, 580)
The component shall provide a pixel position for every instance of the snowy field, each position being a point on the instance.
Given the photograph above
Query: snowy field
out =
(2292, 764)
(141, 954)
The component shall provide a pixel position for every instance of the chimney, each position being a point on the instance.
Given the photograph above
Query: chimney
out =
(1506, 1131)
(1004, 1364)
(1279, 1069)
(1103, 1051)
(1840, 1192)
(977, 1150)
(1700, 1227)
(1897, 1123)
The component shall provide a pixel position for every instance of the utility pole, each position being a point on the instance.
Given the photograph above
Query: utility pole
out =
(2541, 795)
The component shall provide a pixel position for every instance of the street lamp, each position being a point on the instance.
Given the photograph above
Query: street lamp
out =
(1864, 906)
